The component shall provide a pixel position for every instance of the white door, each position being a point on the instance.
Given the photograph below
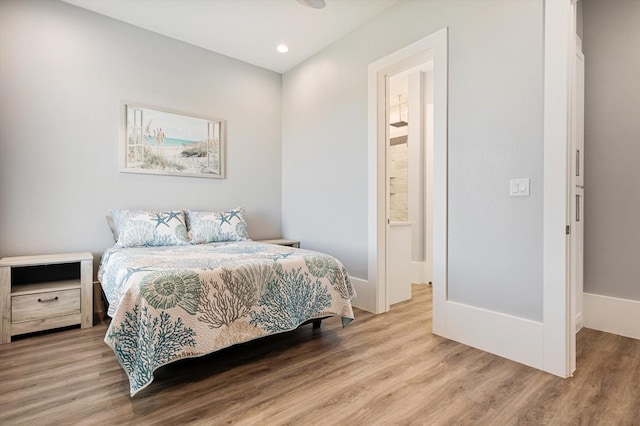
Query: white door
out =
(576, 201)
(577, 183)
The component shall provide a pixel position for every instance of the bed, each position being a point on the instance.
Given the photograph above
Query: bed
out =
(169, 302)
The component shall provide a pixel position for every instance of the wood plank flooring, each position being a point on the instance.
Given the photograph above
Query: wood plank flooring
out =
(380, 370)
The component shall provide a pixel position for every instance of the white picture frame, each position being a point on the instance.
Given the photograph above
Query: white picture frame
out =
(165, 142)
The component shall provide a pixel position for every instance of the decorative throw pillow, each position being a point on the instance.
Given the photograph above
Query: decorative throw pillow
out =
(139, 228)
(210, 227)
(112, 227)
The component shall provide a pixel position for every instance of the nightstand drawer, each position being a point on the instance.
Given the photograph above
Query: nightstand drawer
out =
(45, 305)
(43, 292)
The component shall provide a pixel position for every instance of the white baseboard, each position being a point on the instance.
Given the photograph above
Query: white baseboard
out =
(612, 315)
(510, 337)
(365, 295)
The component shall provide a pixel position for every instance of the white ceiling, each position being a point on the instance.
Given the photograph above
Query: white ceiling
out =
(248, 30)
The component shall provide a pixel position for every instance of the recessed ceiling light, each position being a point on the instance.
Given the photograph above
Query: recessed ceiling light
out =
(282, 48)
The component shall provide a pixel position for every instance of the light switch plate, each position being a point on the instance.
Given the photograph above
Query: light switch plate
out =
(519, 187)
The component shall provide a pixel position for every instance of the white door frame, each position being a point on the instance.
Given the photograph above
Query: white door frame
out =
(431, 48)
(559, 52)
(576, 181)
(545, 345)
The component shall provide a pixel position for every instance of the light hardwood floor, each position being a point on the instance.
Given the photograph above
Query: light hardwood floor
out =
(380, 370)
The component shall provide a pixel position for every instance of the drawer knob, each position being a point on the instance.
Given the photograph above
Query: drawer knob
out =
(53, 299)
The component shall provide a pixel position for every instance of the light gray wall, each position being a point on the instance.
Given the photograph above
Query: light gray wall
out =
(611, 46)
(495, 134)
(64, 72)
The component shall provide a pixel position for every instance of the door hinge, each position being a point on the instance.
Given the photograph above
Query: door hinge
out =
(568, 232)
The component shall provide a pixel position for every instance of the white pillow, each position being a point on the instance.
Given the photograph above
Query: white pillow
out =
(217, 226)
(140, 228)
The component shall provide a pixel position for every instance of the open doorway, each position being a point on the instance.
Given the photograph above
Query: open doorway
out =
(429, 53)
(409, 201)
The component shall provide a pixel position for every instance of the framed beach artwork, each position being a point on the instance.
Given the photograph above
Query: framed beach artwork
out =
(169, 143)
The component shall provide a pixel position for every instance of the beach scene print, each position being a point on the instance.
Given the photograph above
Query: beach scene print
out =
(170, 143)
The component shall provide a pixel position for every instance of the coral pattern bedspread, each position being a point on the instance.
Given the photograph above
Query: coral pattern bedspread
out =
(175, 302)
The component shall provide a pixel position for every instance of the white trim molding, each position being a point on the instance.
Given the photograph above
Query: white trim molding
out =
(365, 297)
(555, 287)
(612, 315)
(514, 338)
(431, 48)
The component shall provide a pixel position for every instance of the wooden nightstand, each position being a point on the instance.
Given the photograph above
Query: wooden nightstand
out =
(44, 292)
(282, 242)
